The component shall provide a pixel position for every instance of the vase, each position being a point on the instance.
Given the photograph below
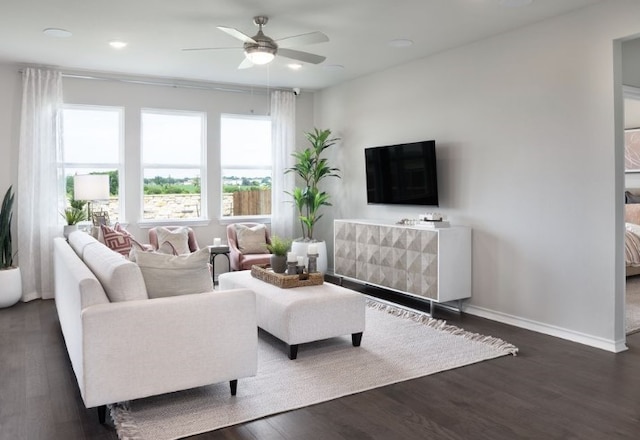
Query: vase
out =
(10, 286)
(299, 247)
(279, 263)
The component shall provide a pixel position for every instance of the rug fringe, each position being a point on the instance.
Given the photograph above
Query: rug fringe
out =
(125, 424)
(442, 325)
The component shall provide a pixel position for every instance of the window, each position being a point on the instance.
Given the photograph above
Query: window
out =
(92, 143)
(245, 156)
(173, 160)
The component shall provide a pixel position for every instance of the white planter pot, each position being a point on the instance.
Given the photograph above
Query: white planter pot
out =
(300, 249)
(10, 287)
(68, 229)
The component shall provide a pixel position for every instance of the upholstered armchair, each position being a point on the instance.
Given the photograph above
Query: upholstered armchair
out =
(253, 251)
(158, 235)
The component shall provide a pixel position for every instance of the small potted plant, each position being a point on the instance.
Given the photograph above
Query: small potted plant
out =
(72, 216)
(10, 277)
(279, 248)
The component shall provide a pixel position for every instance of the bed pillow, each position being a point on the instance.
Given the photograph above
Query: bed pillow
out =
(174, 241)
(629, 197)
(252, 240)
(171, 275)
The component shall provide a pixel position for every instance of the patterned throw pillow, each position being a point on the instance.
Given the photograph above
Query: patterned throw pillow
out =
(119, 240)
(252, 240)
(116, 241)
(173, 241)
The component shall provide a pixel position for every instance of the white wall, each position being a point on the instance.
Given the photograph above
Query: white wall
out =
(525, 132)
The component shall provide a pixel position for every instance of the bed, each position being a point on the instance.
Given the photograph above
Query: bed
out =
(632, 232)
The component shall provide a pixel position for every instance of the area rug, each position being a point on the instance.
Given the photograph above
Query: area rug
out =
(632, 305)
(397, 345)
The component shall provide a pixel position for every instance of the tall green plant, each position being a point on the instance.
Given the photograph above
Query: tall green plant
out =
(6, 214)
(312, 169)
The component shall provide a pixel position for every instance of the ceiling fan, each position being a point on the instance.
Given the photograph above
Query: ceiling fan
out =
(261, 49)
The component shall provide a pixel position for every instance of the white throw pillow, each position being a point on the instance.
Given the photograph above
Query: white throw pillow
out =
(252, 240)
(177, 239)
(172, 275)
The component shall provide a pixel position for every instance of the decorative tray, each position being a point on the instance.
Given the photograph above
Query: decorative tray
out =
(284, 281)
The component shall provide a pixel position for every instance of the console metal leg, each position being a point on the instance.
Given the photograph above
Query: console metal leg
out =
(233, 384)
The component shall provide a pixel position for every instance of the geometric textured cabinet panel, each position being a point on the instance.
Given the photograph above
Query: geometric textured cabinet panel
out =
(431, 263)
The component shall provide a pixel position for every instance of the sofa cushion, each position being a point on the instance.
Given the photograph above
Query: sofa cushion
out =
(120, 278)
(171, 275)
(79, 240)
(173, 241)
(252, 240)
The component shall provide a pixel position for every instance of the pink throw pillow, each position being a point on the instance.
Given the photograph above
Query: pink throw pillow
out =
(119, 240)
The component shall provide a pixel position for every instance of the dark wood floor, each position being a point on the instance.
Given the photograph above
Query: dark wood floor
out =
(553, 389)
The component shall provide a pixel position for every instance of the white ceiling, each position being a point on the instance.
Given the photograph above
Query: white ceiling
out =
(157, 30)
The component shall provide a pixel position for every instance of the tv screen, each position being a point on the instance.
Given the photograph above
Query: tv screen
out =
(403, 174)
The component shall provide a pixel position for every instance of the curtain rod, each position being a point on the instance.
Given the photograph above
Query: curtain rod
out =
(166, 82)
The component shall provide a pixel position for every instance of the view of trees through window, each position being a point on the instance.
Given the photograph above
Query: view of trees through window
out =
(245, 153)
(173, 167)
(173, 164)
(91, 144)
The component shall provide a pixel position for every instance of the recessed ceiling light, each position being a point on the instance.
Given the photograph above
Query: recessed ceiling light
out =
(118, 44)
(57, 33)
(294, 66)
(333, 67)
(515, 3)
(400, 42)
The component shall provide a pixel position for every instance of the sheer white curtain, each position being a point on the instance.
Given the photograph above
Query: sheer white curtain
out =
(283, 138)
(38, 183)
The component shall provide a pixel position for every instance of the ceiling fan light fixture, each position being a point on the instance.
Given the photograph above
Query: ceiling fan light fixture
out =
(259, 55)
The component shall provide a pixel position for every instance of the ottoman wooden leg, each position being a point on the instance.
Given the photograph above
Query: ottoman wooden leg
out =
(356, 339)
(293, 351)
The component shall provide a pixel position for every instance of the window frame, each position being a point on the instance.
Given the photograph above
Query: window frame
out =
(262, 218)
(63, 165)
(203, 219)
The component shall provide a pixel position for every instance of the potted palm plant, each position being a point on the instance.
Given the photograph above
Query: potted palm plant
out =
(10, 277)
(279, 248)
(311, 168)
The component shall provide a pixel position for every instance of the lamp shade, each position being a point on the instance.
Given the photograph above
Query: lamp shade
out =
(91, 187)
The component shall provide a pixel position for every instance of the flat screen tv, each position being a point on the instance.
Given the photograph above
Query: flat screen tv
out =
(403, 174)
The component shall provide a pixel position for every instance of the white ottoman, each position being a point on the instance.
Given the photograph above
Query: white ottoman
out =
(302, 314)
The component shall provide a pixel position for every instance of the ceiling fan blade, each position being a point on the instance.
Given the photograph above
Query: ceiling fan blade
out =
(301, 56)
(235, 33)
(209, 48)
(245, 64)
(301, 40)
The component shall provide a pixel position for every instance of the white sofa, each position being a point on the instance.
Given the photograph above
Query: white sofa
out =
(127, 348)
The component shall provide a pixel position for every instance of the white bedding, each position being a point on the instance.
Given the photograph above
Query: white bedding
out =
(632, 244)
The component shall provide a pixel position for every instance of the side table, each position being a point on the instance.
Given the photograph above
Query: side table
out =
(214, 251)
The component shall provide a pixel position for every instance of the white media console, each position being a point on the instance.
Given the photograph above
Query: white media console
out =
(430, 263)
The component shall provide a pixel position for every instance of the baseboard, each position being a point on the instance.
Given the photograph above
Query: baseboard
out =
(547, 329)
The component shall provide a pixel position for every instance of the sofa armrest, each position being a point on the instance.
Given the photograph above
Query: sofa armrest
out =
(142, 348)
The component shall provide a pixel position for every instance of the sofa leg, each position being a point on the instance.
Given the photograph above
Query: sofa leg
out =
(356, 339)
(293, 351)
(102, 414)
(234, 386)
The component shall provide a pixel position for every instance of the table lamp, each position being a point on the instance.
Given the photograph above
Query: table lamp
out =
(91, 187)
